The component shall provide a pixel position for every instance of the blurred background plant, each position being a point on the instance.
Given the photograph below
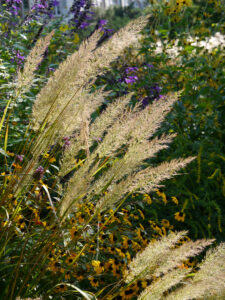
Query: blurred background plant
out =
(183, 49)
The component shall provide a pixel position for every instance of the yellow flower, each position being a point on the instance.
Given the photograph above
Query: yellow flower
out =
(52, 160)
(61, 288)
(121, 252)
(98, 266)
(70, 259)
(165, 223)
(141, 213)
(179, 216)
(112, 238)
(20, 221)
(73, 232)
(72, 221)
(175, 200)
(147, 199)
(67, 275)
(128, 294)
(94, 282)
(163, 195)
(54, 266)
(16, 166)
(81, 217)
(92, 249)
(10, 153)
(128, 256)
(135, 246)
(138, 232)
(125, 242)
(64, 28)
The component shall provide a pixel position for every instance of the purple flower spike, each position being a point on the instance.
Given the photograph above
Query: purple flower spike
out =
(39, 173)
(40, 170)
(84, 25)
(131, 69)
(67, 142)
(131, 79)
(19, 157)
(103, 22)
(149, 66)
(55, 3)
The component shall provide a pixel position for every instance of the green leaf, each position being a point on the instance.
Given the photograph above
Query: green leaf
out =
(3, 152)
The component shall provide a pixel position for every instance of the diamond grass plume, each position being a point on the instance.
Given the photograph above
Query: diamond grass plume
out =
(209, 281)
(64, 105)
(124, 131)
(63, 88)
(156, 289)
(108, 117)
(136, 125)
(160, 261)
(56, 101)
(26, 77)
(96, 130)
(128, 135)
(178, 255)
(146, 262)
(127, 164)
(144, 181)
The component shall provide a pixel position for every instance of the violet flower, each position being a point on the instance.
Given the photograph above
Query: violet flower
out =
(80, 13)
(150, 66)
(19, 157)
(67, 142)
(153, 94)
(130, 69)
(13, 6)
(19, 58)
(131, 79)
(39, 173)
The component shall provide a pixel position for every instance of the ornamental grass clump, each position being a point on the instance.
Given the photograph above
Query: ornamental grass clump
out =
(63, 189)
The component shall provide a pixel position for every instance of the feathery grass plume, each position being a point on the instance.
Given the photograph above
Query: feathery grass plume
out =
(108, 117)
(123, 132)
(78, 72)
(209, 281)
(136, 125)
(63, 85)
(132, 130)
(127, 164)
(182, 253)
(97, 129)
(146, 262)
(143, 181)
(156, 289)
(149, 178)
(60, 103)
(26, 77)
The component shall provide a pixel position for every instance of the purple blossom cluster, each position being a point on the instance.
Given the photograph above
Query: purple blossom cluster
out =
(18, 58)
(19, 157)
(131, 78)
(39, 173)
(67, 142)
(81, 14)
(13, 6)
(44, 8)
(106, 32)
(154, 92)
